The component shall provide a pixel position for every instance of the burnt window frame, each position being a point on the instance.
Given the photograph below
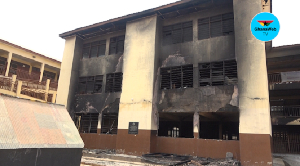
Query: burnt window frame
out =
(213, 19)
(116, 40)
(212, 74)
(112, 127)
(92, 122)
(89, 46)
(171, 29)
(114, 82)
(185, 82)
(95, 80)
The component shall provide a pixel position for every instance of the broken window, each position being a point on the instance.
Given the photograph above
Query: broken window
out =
(218, 73)
(222, 126)
(178, 33)
(114, 82)
(94, 49)
(91, 84)
(116, 45)
(87, 123)
(176, 125)
(177, 77)
(109, 123)
(216, 26)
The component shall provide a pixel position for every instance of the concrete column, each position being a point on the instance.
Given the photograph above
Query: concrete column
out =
(13, 81)
(8, 63)
(255, 123)
(47, 89)
(30, 69)
(54, 97)
(19, 88)
(196, 125)
(42, 71)
(99, 123)
(68, 80)
(137, 96)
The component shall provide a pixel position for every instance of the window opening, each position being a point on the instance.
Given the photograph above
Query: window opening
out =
(116, 45)
(176, 125)
(91, 84)
(218, 73)
(114, 82)
(87, 123)
(177, 77)
(109, 123)
(219, 25)
(178, 33)
(94, 49)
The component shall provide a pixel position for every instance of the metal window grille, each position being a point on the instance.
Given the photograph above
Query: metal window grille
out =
(94, 49)
(116, 45)
(215, 26)
(114, 82)
(87, 123)
(91, 84)
(178, 33)
(218, 73)
(176, 77)
(109, 123)
(291, 111)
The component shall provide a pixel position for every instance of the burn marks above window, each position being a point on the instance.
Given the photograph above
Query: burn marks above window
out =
(176, 77)
(218, 73)
(178, 33)
(91, 84)
(116, 45)
(87, 123)
(114, 82)
(95, 49)
(219, 25)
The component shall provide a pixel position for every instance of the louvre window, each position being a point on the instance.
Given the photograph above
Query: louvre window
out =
(87, 123)
(94, 49)
(109, 123)
(216, 26)
(176, 77)
(114, 82)
(218, 73)
(91, 84)
(116, 45)
(178, 33)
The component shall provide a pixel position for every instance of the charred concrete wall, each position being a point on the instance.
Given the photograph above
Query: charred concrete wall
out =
(201, 99)
(110, 63)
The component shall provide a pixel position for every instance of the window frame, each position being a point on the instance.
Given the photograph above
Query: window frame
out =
(170, 29)
(105, 129)
(90, 45)
(108, 88)
(182, 75)
(92, 120)
(202, 22)
(117, 40)
(85, 81)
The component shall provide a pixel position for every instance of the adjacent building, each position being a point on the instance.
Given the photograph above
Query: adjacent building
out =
(36, 74)
(184, 78)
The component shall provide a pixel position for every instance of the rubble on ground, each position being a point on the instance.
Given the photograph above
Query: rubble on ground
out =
(199, 161)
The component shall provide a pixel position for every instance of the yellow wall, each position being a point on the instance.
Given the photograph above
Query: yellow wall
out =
(138, 74)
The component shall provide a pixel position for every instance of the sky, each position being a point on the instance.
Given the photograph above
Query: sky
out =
(36, 24)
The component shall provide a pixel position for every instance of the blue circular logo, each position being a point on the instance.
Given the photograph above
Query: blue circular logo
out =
(265, 26)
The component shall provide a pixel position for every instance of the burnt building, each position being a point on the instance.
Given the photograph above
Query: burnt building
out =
(184, 78)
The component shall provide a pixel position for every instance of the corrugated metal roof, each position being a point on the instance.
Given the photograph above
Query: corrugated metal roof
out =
(28, 124)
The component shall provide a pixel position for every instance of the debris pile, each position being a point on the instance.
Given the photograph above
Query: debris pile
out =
(213, 162)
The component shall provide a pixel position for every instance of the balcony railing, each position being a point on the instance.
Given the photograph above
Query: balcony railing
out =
(292, 111)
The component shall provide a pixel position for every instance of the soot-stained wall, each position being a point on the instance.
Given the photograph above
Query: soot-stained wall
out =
(108, 102)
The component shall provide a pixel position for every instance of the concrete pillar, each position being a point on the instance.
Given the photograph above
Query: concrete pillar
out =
(255, 123)
(8, 63)
(99, 123)
(196, 125)
(137, 96)
(42, 71)
(13, 81)
(68, 80)
(47, 89)
(54, 97)
(19, 88)
(30, 69)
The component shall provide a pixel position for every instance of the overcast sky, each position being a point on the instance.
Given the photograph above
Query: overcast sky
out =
(36, 24)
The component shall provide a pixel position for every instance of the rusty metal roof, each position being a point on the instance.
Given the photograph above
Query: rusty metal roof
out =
(29, 124)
